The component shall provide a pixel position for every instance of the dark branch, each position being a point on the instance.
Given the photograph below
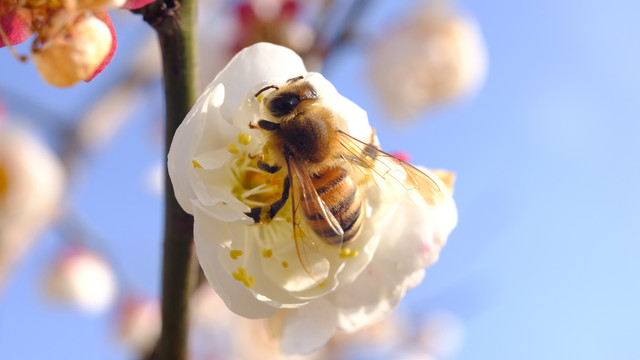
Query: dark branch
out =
(175, 25)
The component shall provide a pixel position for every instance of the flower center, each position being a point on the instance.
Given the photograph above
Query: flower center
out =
(253, 186)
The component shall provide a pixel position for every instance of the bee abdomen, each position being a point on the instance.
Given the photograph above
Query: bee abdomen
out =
(340, 194)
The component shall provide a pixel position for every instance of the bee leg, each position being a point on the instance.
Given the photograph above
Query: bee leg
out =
(295, 78)
(265, 89)
(266, 213)
(262, 165)
(268, 125)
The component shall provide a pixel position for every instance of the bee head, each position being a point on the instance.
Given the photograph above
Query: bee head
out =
(287, 98)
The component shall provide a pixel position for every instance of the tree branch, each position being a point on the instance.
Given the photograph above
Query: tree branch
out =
(175, 24)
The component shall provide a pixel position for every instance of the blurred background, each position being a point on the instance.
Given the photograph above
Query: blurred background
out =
(533, 105)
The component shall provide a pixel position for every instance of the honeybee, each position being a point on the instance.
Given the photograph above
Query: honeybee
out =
(321, 162)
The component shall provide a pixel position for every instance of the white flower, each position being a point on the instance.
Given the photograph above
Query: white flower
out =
(254, 267)
(83, 279)
(32, 182)
(435, 56)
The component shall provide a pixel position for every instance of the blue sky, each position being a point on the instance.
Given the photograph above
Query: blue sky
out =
(543, 263)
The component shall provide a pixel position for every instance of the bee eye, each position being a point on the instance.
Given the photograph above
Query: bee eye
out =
(311, 94)
(284, 104)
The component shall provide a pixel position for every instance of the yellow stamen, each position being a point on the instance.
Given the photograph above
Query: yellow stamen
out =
(196, 164)
(285, 264)
(233, 148)
(241, 276)
(267, 253)
(235, 253)
(347, 253)
(244, 139)
(260, 97)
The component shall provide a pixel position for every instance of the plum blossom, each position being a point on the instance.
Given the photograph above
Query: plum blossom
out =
(75, 39)
(254, 267)
(32, 181)
(437, 55)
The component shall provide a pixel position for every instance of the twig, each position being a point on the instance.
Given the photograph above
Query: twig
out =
(174, 22)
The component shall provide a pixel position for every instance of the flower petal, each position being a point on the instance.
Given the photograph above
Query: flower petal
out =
(104, 17)
(136, 4)
(412, 242)
(307, 329)
(183, 146)
(262, 62)
(236, 296)
(16, 27)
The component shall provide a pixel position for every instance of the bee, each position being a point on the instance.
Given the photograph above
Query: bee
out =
(322, 164)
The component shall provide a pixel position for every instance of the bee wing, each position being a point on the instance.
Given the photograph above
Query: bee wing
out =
(312, 251)
(389, 171)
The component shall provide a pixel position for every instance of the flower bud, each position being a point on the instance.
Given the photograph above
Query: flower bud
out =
(75, 54)
(83, 279)
(139, 324)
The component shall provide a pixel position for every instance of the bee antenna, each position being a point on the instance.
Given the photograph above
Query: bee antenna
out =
(265, 89)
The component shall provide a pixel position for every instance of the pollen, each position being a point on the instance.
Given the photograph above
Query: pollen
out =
(347, 253)
(322, 284)
(260, 97)
(233, 148)
(196, 164)
(244, 139)
(267, 253)
(235, 253)
(285, 264)
(241, 276)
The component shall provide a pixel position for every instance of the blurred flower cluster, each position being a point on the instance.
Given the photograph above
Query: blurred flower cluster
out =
(74, 39)
(32, 184)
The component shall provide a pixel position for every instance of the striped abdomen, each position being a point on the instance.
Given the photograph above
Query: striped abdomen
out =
(340, 194)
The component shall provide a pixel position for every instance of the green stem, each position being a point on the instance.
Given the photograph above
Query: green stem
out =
(175, 24)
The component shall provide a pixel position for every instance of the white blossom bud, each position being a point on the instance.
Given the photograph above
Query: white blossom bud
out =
(434, 57)
(75, 54)
(83, 279)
